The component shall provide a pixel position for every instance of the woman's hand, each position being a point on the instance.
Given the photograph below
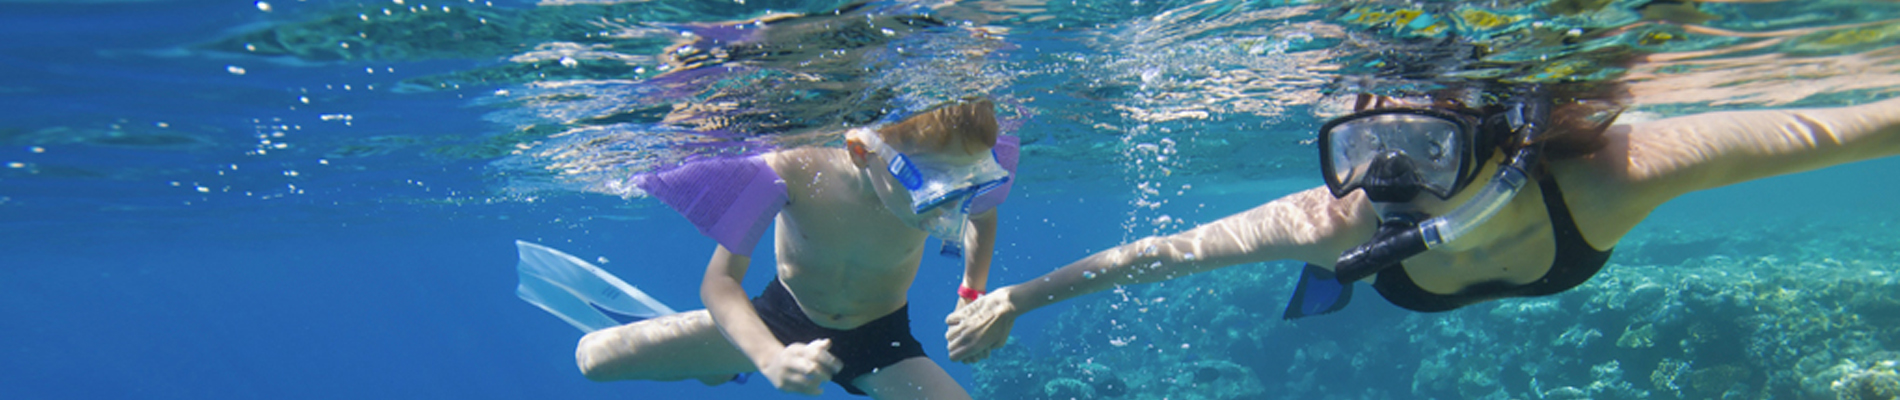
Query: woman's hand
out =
(981, 326)
(802, 367)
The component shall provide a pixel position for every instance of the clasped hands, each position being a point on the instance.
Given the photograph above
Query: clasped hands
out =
(981, 326)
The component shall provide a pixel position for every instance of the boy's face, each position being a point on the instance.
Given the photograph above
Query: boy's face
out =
(898, 199)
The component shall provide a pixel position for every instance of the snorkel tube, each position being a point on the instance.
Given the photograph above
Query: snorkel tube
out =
(1402, 236)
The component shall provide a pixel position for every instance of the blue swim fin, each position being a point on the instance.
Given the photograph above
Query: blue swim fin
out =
(578, 292)
(1319, 293)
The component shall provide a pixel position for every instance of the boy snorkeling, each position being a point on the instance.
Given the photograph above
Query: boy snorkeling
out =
(851, 229)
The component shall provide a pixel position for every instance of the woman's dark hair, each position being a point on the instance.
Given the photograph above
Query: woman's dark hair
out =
(1456, 72)
(1580, 112)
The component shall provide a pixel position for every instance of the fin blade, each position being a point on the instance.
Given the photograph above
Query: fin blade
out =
(555, 300)
(579, 292)
(1319, 292)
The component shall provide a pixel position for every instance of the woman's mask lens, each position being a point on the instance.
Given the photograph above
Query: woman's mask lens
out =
(1427, 143)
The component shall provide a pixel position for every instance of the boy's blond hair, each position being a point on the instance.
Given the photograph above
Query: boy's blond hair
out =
(967, 126)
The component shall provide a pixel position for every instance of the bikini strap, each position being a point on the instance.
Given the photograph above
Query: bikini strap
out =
(1576, 260)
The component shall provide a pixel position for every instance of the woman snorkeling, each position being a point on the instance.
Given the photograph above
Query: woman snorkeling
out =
(1462, 197)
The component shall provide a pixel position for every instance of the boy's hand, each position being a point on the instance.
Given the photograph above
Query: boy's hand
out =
(802, 367)
(980, 327)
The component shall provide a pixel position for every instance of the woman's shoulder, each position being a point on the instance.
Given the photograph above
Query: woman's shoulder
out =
(1603, 196)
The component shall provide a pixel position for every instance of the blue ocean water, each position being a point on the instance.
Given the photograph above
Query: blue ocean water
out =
(187, 220)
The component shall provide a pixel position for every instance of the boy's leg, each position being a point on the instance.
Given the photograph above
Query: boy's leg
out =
(668, 348)
(913, 378)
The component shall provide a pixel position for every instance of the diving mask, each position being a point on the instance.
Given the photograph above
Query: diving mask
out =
(1395, 153)
(1377, 154)
(932, 187)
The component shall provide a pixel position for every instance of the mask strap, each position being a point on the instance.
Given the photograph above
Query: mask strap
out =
(905, 172)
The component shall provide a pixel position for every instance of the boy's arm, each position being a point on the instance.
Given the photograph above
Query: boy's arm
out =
(976, 261)
(795, 367)
(1307, 226)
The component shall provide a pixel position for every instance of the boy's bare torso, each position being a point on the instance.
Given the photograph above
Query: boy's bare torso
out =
(841, 253)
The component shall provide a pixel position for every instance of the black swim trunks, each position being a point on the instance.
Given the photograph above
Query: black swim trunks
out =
(863, 350)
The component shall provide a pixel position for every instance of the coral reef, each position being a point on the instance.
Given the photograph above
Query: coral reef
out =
(1852, 381)
(1067, 388)
(1785, 310)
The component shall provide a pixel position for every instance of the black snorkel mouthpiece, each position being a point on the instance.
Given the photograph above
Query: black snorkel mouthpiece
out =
(1398, 239)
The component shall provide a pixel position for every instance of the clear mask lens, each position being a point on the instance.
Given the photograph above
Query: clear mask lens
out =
(933, 186)
(949, 188)
(1431, 147)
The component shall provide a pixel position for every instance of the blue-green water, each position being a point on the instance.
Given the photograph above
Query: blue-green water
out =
(316, 199)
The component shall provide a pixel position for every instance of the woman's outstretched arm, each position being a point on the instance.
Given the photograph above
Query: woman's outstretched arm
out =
(1663, 159)
(1305, 226)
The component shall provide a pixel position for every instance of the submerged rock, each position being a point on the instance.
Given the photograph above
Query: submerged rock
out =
(1110, 386)
(1206, 374)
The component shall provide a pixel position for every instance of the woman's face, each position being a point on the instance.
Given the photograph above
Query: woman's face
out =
(1397, 131)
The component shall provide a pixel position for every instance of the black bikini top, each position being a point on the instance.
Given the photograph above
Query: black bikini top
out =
(1575, 263)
